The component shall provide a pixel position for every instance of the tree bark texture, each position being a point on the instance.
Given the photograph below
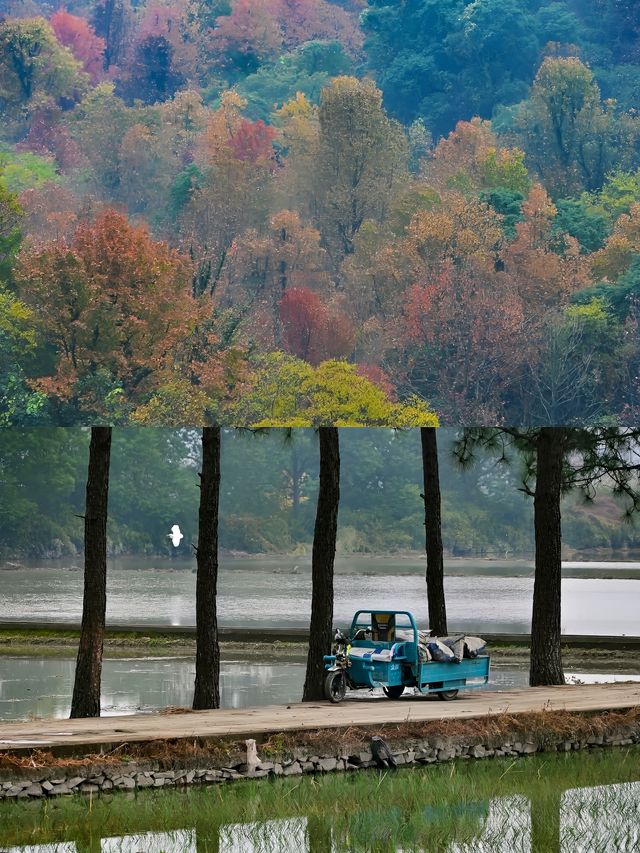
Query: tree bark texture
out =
(323, 555)
(546, 658)
(433, 531)
(207, 684)
(85, 701)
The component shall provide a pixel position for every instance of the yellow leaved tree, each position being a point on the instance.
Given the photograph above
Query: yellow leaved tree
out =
(289, 392)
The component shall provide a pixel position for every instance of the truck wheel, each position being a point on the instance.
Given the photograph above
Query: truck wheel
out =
(447, 694)
(335, 686)
(394, 692)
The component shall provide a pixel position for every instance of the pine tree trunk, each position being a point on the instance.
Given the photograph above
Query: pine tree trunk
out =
(207, 685)
(546, 659)
(433, 530)
(85, 701)
(324, 550)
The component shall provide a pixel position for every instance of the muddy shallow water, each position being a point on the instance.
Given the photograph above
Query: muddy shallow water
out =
(41, 687)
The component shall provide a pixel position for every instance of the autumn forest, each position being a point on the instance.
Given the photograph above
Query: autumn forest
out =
(305, 212)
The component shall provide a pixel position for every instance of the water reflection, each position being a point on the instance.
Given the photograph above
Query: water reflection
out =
(290, 835)
(41, 687)
(178, 841)
(32, 687)
(507, 828)
(590, 819)
(581, 820)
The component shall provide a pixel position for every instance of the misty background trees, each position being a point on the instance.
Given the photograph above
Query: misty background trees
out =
(267, 500)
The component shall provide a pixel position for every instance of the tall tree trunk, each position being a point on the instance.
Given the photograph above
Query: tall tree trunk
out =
(433, 531)
(546, 658)
(324, 551)
(207, 686)
(86, 688)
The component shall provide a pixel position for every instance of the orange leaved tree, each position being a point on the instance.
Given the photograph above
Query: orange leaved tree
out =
(114, 307)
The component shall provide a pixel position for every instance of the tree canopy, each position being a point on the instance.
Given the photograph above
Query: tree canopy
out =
(268, 495)
(445, 195)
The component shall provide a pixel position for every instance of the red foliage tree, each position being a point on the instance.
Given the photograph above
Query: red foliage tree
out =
(113, 303)
(247, 37)
(49, 136)
(306, 20)
(311, 330)
(303, 318)
(257, 31)
(252, 141)
(466, 343)
(76, 34)
(379, 377)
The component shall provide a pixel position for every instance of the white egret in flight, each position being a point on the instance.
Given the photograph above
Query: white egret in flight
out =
(176, 535)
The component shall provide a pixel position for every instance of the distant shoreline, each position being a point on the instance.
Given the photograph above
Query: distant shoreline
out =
(288, 645)
(13, 562)
(603, 567)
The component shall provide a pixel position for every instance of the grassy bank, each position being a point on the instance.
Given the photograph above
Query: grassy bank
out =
(123, 644)
(120, 644)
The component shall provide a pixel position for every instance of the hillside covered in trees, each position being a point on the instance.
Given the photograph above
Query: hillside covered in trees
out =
(305, 211)
(268, 495)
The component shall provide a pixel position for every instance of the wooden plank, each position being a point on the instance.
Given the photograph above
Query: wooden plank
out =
(252, 722)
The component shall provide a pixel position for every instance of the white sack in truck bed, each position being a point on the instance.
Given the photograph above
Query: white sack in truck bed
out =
(444, 649)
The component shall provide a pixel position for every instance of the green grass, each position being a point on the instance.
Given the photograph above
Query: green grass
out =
(29, 642)
(428, 808)
(65, 645)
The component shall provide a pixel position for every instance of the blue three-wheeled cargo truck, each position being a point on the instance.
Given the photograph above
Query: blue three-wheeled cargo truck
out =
(385, 649)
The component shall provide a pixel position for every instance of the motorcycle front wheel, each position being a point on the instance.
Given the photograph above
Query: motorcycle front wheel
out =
(335, 686)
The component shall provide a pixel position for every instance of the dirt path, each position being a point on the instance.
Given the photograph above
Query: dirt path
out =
(248, 722)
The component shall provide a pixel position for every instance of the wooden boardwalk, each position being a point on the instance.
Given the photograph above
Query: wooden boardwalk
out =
(110, 732)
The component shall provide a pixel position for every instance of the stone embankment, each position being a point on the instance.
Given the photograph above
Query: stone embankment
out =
(243, 762)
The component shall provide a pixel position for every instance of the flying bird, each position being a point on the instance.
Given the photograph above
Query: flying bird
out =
(176, 535)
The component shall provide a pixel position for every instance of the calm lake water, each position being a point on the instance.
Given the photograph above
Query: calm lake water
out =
(42, 687)
(489, 596)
